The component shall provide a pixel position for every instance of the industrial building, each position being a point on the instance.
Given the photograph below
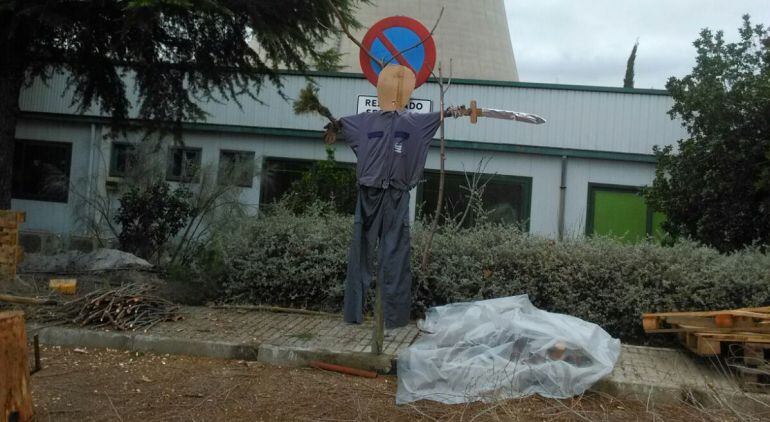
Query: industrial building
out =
(579, 173)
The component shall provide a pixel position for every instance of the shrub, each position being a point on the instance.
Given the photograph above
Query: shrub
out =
(326, 181)
(292, 260)
(289, 259)
(149, 215)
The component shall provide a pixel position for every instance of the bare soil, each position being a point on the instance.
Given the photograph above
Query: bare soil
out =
(109, 385)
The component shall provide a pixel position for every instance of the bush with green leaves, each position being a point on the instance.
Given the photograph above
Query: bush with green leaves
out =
(715, 186)
(289, 259)
(326, 181)
(300, 260)
(149, 215)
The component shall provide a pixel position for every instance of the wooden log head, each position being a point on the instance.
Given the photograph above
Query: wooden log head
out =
(395, 85)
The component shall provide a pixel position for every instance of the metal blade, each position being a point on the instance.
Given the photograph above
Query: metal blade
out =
(512, 115)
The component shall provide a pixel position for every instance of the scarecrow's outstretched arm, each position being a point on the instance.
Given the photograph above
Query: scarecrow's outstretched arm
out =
(332, 128)
(475, 112)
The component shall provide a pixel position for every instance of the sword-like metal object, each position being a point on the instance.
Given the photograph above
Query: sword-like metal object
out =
(475, 112)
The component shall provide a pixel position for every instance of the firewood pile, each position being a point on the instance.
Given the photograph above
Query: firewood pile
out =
(128, 307)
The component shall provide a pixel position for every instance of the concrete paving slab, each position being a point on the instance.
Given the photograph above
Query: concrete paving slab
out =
(646, 373)
(284, 338)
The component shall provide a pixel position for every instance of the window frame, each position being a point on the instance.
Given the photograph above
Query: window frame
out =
(265, 170)
(251, 172)
(113, 171)
(264, 174)
(591, 205)
(195, 178)
(526, 182)
(61, 144)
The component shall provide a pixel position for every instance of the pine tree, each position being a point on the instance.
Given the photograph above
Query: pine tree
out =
(169, 55)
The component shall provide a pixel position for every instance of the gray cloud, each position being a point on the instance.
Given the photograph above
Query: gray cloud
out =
(587, 42)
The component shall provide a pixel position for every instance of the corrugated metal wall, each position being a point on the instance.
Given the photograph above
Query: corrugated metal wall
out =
(578, 118)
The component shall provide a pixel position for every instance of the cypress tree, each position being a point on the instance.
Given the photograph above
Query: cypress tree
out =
(628, 81)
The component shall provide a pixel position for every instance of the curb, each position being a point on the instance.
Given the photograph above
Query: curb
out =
(294, 356)
(266, 353)
(699, 395)
(383, 364)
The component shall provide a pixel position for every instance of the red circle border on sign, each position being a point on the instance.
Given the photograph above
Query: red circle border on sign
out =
(404, 22)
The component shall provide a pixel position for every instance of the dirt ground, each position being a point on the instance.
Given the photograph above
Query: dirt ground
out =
(109, 385)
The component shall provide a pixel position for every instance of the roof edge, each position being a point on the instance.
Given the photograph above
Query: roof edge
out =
(511, 84)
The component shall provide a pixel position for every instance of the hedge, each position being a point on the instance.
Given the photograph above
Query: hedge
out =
(300, 260)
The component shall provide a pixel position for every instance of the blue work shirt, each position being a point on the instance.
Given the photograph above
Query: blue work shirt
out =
(390, 146)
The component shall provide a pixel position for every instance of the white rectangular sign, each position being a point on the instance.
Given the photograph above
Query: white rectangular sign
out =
(368, 103)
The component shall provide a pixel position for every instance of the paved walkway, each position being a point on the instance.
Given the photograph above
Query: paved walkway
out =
(327, 332)
(294, 339)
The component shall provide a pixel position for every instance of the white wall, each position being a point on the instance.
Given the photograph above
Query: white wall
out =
(57, 217)
(544, 170)
(581, 172)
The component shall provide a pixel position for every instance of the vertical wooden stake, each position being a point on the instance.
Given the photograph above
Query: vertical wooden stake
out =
(378, 332)
(36, 345)
(442, 158)
(15, 399)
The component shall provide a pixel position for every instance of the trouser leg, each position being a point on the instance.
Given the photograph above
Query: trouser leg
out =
(361, 254)
(394, 259)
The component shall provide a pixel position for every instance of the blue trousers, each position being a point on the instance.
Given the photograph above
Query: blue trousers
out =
(382, 219)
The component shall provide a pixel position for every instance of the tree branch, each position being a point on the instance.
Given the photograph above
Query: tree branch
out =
(351, 37)
(422, 41)
(442, 158)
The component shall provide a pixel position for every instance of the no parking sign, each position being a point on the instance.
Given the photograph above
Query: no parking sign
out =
(390, 36)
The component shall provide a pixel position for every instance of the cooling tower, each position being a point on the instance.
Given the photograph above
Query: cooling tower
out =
(474, 34)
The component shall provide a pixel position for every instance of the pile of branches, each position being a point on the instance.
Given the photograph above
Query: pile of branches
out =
(128, 307)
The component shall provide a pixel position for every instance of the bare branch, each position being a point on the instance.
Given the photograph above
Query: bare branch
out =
(442, 158)
(444, 86)
(476, 185)
(422, 41)
(351, 37)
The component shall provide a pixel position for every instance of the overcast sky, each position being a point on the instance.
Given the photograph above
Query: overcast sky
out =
(587, 42)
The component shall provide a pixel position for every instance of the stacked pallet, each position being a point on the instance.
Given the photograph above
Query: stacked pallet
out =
(10, 250)
(741, 336)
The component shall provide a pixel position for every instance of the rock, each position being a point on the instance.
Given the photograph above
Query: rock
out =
(75, 261)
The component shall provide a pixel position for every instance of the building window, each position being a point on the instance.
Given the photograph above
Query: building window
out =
(41, 170)
(621, 212)
(122, 159)
(505, 199)
(236, 168)
(183, 164)
(278, 175)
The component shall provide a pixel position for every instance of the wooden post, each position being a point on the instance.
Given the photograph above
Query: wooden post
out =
(15, 398)
(10, 250)
(378, 331)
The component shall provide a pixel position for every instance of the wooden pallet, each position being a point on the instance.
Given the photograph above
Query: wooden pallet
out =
(714, 344)
(750, 362)
(741, 336)
(726, 321)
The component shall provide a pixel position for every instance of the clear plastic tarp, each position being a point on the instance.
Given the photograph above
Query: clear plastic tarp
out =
(502, 348)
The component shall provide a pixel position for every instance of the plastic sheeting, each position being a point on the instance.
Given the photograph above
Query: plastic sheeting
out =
(502, 348)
